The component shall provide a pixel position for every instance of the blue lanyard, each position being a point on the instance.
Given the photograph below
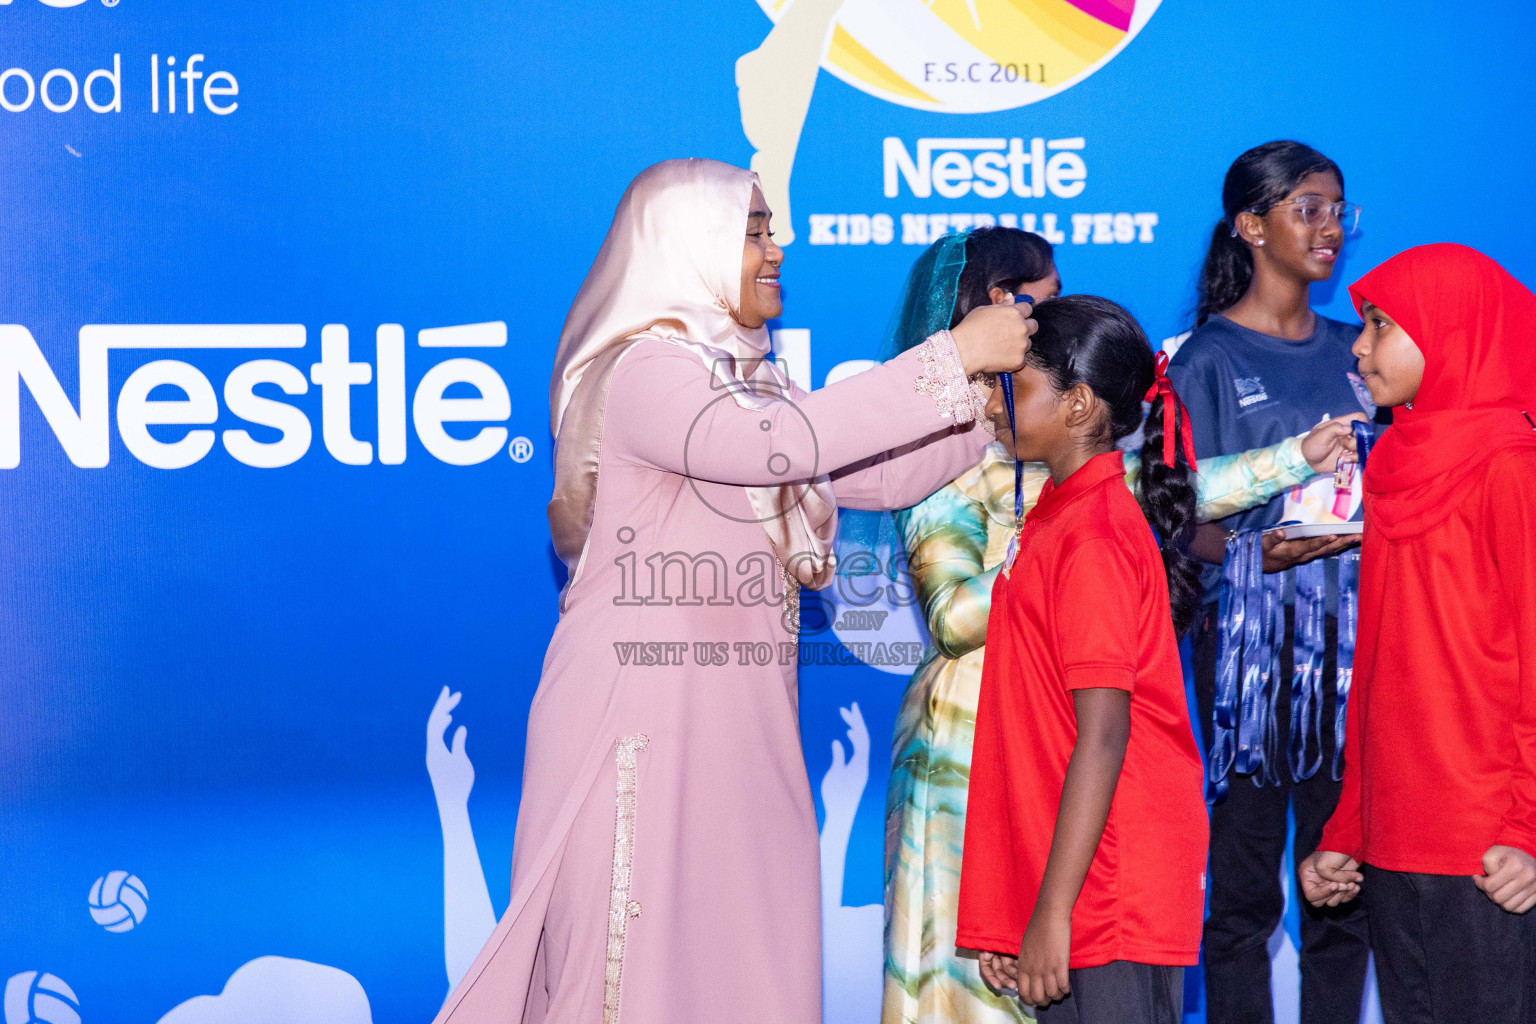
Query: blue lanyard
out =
(1230, 609)
(1365, 436)
(1274, 639)
(1255, 663)
(1344, 670)
(1250, 610)
(1005, 381)
(1348, 613)
(1307, 679)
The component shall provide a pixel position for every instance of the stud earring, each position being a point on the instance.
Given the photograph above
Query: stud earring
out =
(1258, 241)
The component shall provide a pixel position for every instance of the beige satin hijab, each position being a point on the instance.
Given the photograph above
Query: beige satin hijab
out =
(670, 269)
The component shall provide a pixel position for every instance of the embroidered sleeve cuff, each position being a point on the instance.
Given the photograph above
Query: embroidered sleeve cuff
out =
(943, 379)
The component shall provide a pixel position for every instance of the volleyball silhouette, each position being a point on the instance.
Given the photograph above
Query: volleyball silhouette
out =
(973, 56)
(33, 997)
(119, 901)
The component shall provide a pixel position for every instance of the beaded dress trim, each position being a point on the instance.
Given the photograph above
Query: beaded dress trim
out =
(620, 907)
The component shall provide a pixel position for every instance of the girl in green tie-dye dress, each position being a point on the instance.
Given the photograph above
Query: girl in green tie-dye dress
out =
(954, 542)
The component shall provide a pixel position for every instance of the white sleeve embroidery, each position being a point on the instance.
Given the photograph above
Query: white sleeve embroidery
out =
(944, 380)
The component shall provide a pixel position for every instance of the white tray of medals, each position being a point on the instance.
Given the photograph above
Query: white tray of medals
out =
(1343, 484)
(1296, 531)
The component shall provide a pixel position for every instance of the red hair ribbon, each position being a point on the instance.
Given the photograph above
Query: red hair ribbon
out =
(1161, 385)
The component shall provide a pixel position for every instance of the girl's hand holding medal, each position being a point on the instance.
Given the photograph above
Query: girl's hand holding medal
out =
(1330, 447)
(1331, 442)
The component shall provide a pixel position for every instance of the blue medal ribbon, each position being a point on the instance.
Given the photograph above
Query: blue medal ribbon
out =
(1349, 616)
(1251, 613)
(1365, 436)
(1307, 677)
(1231, 607)
(1271, 750)
(1344, 673)
(1252, 698)
(1005, 381)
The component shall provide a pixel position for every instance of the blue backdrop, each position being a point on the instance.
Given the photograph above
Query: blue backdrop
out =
(215, 680)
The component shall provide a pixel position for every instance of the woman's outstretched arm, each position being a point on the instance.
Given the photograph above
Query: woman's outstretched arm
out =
(665, 409)
(905, 476)
(1229, 484)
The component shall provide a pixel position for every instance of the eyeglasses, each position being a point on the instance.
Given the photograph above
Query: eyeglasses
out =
(1315, 211)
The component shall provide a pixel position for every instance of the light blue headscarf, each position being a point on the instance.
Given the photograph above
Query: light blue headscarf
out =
(927, 306)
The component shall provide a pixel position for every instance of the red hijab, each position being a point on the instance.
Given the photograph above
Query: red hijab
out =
(1476, 326)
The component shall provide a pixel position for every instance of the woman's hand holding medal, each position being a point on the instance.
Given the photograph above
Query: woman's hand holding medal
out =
(994, 339)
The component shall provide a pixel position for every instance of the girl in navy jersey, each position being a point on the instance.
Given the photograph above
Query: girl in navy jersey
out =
(1082, 718)
(1262, 365)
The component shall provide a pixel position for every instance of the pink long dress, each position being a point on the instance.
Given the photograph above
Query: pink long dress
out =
(665, 869)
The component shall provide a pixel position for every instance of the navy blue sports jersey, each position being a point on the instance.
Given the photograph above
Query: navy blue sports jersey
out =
(1245, 390)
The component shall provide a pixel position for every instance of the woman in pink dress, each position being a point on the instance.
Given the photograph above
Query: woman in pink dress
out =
(665, 869)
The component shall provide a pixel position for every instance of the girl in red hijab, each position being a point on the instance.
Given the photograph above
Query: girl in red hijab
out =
(1436, 827)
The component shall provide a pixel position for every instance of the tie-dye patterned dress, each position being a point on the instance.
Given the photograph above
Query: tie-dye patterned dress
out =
(955, 540)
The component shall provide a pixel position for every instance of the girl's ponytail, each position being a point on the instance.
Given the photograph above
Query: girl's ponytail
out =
(1226, 273)
(1168, 499)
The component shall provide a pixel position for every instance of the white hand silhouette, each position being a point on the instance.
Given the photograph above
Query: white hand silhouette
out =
(841, 790)
(451, 773)
(843, 785)
(852, 954)
(468, 918)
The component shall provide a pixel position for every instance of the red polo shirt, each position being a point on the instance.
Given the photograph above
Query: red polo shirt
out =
(1085, 605)
(1441, 760)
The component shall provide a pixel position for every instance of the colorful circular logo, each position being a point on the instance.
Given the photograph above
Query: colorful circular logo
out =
(973, 56)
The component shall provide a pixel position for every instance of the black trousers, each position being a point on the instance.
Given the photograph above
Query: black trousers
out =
(1248, 832)
(1120, 993)
(1446, 954)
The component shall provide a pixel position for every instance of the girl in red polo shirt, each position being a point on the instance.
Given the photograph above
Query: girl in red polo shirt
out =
(1439, 799)
(1082, 718)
